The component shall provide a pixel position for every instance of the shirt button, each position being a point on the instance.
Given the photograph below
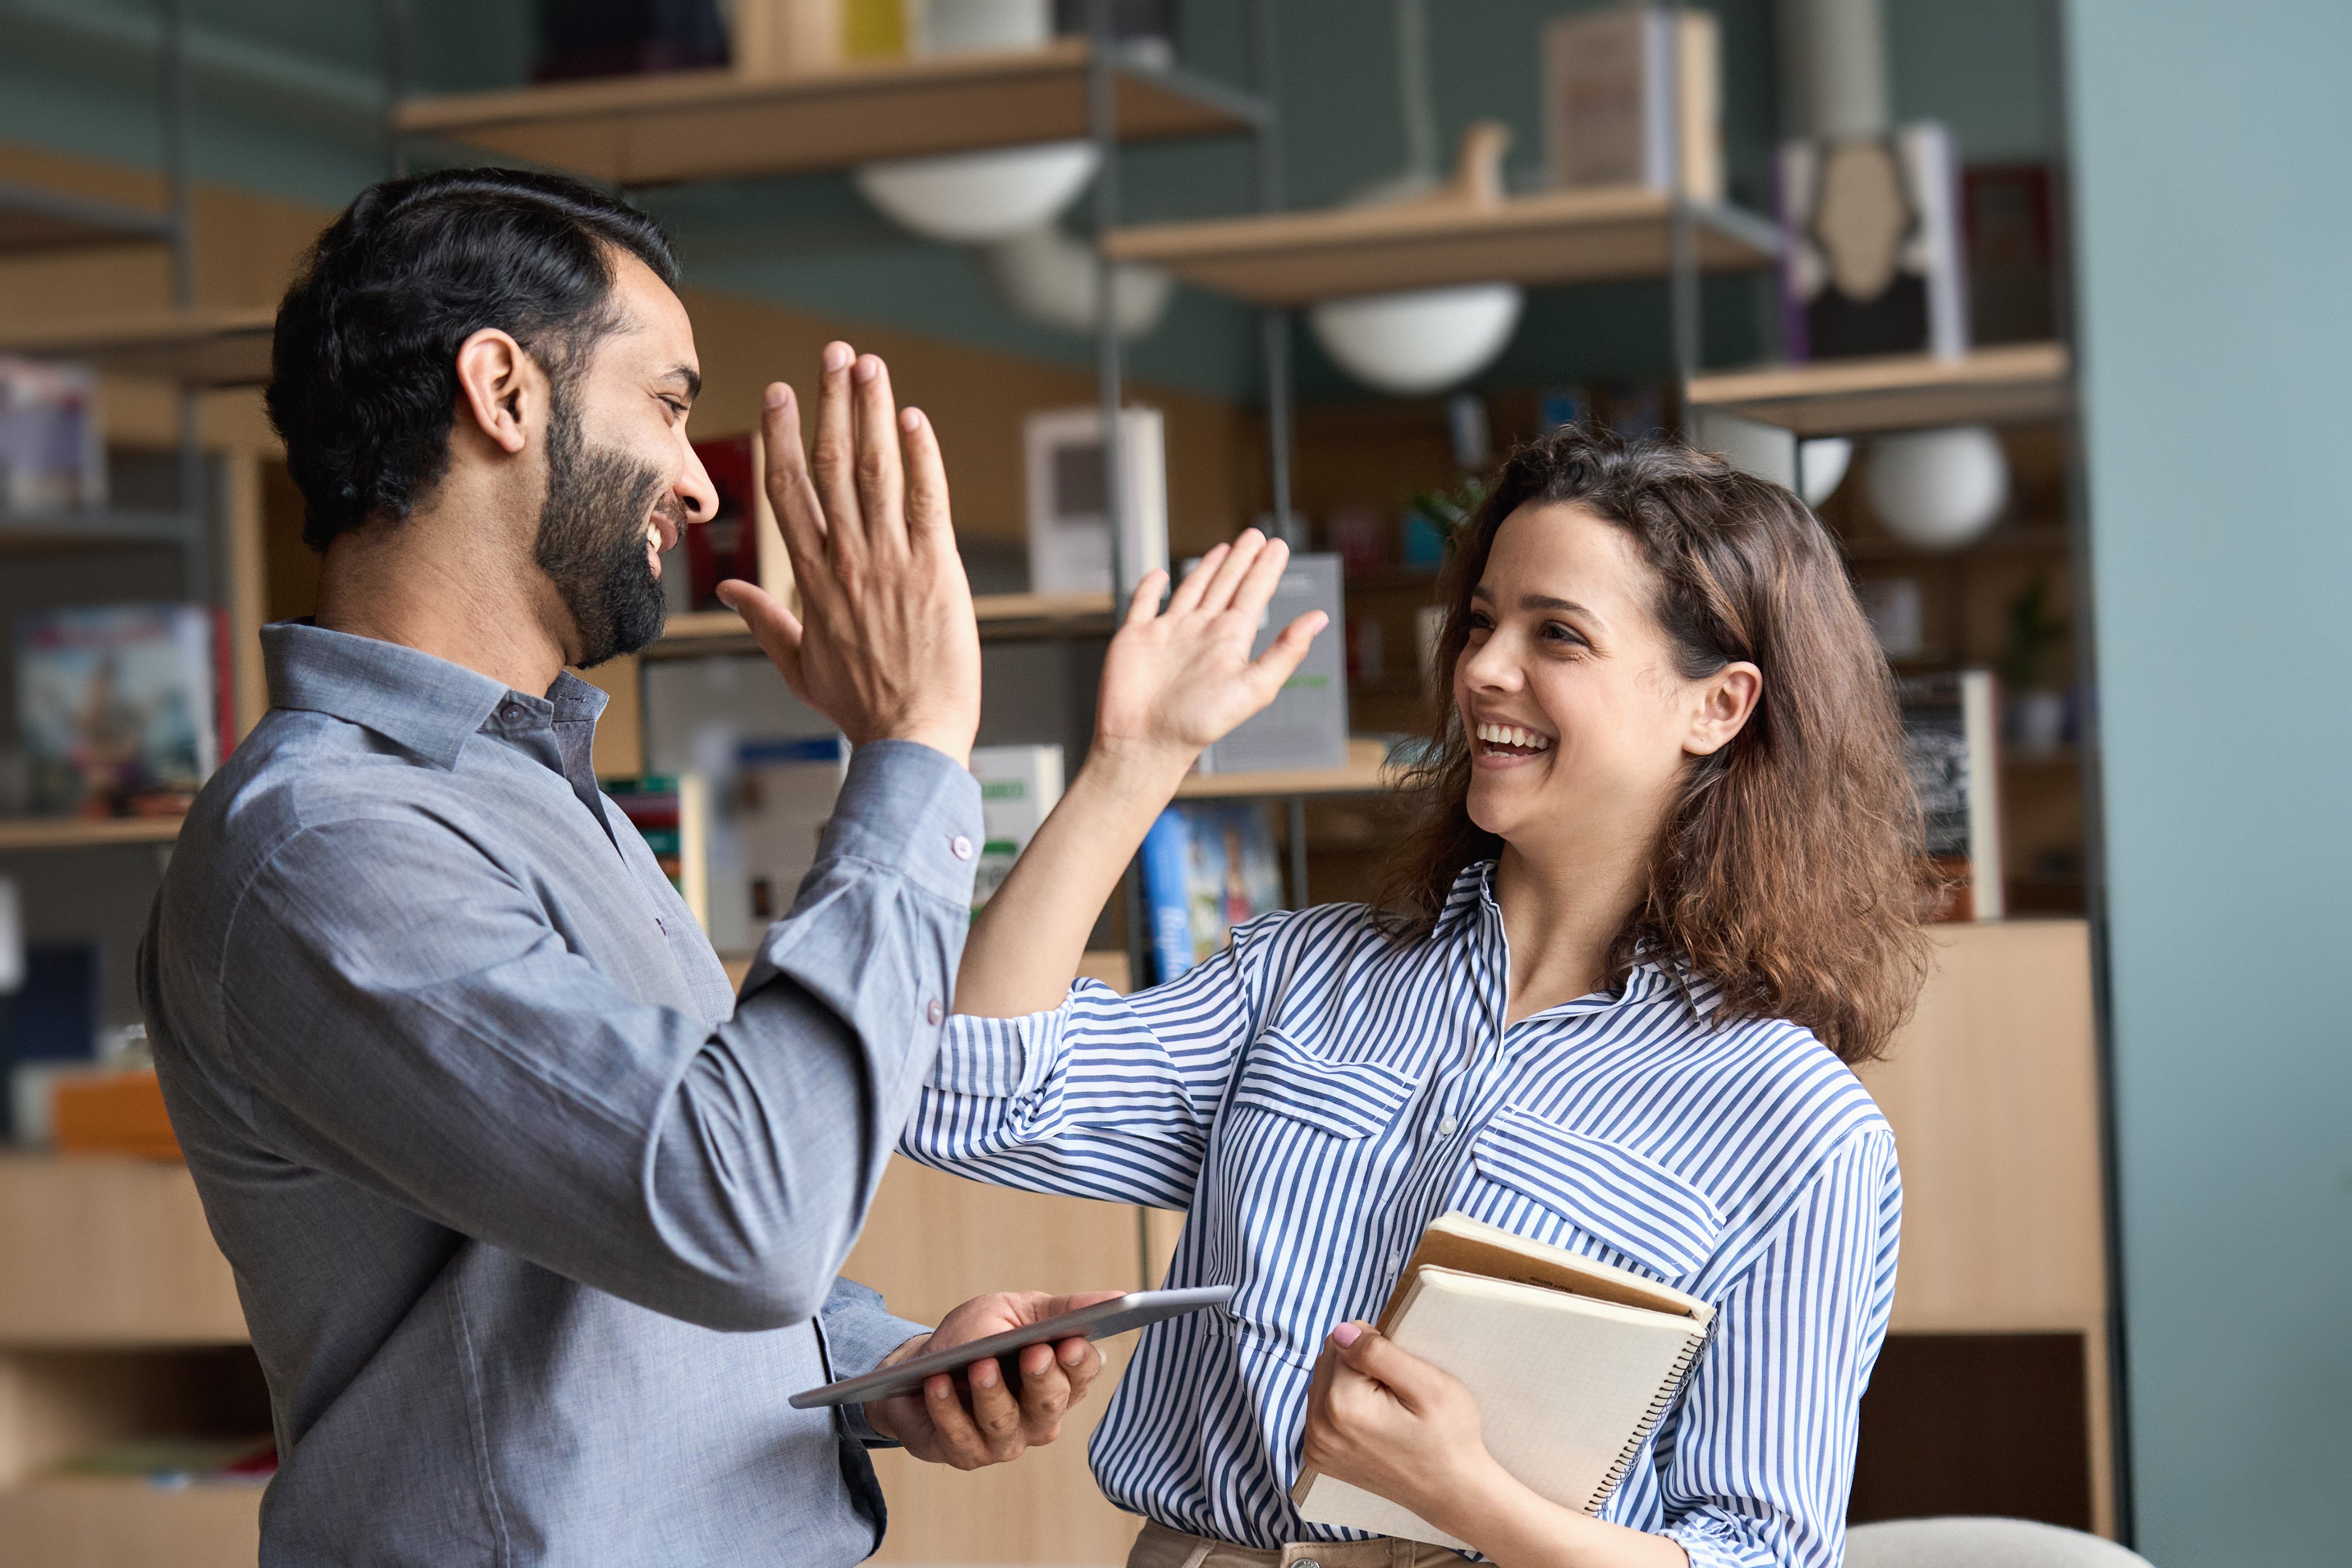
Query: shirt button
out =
(511, 712)
(960, 846)
(935, 1011)
(1445, 1128)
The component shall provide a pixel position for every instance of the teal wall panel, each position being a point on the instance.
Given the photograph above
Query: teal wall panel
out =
(2214, 222)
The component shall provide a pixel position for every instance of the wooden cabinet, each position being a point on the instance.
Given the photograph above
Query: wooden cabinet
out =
(1993, 1091)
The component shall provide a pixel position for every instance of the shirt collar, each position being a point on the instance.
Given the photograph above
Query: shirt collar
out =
(420, 703)
(1471, 903)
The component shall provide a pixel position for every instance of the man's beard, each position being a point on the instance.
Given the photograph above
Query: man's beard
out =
(591, 538)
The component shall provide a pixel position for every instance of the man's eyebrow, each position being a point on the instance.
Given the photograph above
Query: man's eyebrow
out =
(687, 373)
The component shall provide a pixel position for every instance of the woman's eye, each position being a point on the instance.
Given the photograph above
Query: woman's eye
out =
(1479, 622)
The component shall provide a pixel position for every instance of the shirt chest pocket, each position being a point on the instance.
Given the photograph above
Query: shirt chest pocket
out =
(1589, 1196)
(1346, 1099)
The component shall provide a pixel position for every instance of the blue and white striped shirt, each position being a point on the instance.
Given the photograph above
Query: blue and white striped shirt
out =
(1316, 1094)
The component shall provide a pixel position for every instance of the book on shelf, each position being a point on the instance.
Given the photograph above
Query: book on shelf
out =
(1573, 1364)
(672, 814)
(1207, 867)
(1069, 494)
(740, 540)
(122, 709)
(1018, 788)
(1634, 96)
(1306, 725)
(1951, 743)
(52, 448)
(1872, 258)
(784, 792)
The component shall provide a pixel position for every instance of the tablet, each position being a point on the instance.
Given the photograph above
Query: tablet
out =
(1099, 1321)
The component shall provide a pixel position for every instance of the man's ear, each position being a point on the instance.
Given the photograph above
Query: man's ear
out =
(500, 389)
(1727, 700)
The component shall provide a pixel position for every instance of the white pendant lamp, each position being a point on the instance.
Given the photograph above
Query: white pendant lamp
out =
(1420, 341)
(1938, 490)
(974, 198)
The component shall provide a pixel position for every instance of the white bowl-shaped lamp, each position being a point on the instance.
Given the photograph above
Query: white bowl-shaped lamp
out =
(1822, 462)
(1938, 490)
(1422, 340)
(973, 198)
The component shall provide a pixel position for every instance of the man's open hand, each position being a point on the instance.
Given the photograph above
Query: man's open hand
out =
(885, 645)
(987, 1423)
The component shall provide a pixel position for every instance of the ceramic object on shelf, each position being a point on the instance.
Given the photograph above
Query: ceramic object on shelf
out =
(1422, 340)
(974, 198)
(1822, 462)
(1049, 276)
(1938, 490)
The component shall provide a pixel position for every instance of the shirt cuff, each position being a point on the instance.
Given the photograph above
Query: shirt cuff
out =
(910, 809)
(858, 1333)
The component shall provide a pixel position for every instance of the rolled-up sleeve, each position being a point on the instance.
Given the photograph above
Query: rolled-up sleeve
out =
(1762, 1451)
(1105, 1097)
(414, 1018)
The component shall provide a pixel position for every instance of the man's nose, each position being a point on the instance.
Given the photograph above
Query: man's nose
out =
(695, 491)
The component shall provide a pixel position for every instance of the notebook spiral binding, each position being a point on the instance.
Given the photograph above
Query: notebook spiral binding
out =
(1650, 1419)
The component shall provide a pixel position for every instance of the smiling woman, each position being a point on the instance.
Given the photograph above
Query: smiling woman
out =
(1663, 882)
(1605, 589)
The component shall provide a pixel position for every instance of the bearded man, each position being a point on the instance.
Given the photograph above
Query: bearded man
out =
(535, 1221)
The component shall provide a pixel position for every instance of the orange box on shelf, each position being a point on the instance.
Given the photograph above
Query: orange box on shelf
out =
(113, 1113)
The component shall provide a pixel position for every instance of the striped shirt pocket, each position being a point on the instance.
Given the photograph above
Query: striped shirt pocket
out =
(1349, 1100)
(1619, 1196)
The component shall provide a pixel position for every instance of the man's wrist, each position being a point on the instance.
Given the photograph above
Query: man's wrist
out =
(953, 741)
(876, 1409)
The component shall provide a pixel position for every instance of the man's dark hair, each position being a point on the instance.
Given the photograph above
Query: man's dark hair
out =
(364, 383)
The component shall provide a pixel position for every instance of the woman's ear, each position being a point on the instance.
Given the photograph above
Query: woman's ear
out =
(499, 388)
(1726, 699)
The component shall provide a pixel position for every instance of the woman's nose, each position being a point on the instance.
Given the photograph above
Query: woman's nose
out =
(1489, 664)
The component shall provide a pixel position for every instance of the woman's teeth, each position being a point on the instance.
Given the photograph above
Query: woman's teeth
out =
(1512, 735)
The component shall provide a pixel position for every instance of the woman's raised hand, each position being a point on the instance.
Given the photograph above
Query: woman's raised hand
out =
(1178, 679)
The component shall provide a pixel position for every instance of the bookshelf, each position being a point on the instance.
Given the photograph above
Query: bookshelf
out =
(196, 347)
(1364, 772)
(1554, 237)
(130, 1328)
(2011, 384)
(74, 832)
(33, 220)
(718, 125)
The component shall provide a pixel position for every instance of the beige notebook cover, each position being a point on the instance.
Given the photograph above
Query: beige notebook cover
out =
(1572, 1364)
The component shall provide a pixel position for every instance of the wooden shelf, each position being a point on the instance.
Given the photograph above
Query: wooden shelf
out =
(711, 125)
(33, 219)
(110, 1252)
(102, 528)
(1366, 772)
(75, 832)
(1557, 236)
(989, 609)
(198, 348)
(2014, 385)
(78, 1521)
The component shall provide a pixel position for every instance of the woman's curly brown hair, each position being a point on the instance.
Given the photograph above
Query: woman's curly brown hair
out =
(1790, 873)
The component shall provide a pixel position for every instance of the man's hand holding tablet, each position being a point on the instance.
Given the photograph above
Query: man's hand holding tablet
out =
(997, 1424)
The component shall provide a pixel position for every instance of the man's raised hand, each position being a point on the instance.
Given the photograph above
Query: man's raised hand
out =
(885, 645)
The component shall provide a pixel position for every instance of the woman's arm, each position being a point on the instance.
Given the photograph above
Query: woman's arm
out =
(1762, 1450)
(1385, 1420)
(1174, 680)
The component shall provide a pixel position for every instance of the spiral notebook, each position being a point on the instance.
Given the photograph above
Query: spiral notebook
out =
(1572, 1362)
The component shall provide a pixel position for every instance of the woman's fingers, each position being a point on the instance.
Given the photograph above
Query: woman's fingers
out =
(880, 467)
(1145, 605)
(1259, 579)
(835, 467)
(1218, 592)
(1269, 669)
(928, 520)
(1196, 582)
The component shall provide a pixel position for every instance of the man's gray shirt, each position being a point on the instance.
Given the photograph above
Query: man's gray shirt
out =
(535, 1224)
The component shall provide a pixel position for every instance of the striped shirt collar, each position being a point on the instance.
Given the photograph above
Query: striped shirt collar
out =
(1472, 914)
